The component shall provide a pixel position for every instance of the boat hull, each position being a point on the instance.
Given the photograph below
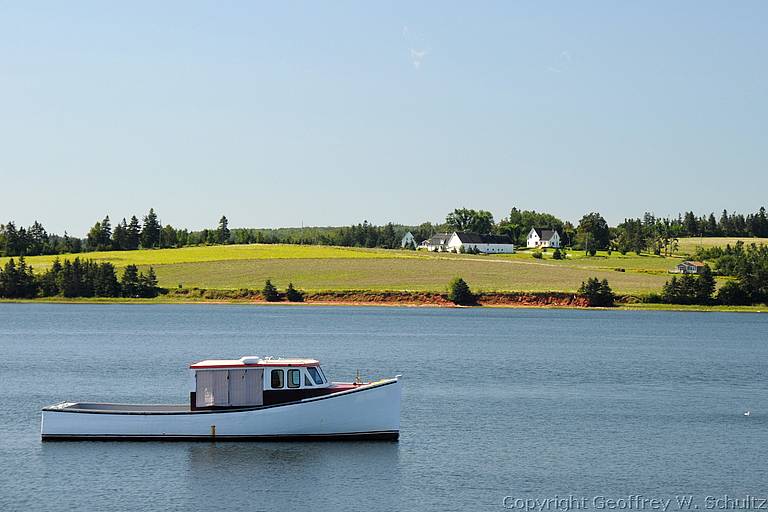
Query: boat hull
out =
(367, 412)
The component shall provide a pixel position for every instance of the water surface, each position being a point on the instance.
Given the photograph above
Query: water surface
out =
(496, 402)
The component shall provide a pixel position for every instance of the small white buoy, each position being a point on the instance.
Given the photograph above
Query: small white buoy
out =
(748, 413)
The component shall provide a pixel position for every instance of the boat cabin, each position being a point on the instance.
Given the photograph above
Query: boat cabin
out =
(253, 381)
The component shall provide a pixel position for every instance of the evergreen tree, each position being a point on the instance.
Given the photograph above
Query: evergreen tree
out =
(222, 233)
(293, 295)
(150, 232)
(9, 285)
(38, 239)
(17, 281)
(389, 236)
(13, 240)
(133, 234)
(269, 292)
(130, 284)
(705, 286)
(105, 281)
(73, 280)
(120, 236)
(598, 293)
(459, 293)
(105, 240)
(148, 284)
(47, 282)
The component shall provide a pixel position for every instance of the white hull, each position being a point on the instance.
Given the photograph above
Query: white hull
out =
(369, 411)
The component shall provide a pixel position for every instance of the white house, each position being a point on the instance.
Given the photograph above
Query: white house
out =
(486, 244)
(436, 242)
(407, 240)
(540, 237)
(689, 267)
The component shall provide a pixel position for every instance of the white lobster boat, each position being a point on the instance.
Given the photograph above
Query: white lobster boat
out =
(250, 398)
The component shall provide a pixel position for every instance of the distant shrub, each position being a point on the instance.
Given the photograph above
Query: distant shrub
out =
(733, 294)
(269, 292)
(557, 255)
(537, 254)
(459, 292)
(653, 298)
(293, 295)
(597, 292)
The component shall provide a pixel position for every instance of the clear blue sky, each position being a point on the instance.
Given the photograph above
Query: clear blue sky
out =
(334, 112)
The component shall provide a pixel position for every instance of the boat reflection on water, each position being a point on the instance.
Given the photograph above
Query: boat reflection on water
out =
(272, 472)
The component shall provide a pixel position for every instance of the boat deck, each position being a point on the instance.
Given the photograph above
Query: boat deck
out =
(122, 408)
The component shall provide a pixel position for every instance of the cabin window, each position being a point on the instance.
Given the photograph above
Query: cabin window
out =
(294, 378)
(277, 379)
(315, 375)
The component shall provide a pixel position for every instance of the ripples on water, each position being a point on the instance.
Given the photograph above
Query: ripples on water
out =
(496, 402)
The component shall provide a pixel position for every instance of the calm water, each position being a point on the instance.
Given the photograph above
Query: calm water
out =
(524, 403)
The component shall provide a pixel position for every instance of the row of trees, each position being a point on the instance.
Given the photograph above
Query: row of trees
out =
(76, 278)
(272, 294)
(733, 224)
(592, 233)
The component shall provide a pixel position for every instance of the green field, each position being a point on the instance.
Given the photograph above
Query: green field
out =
(317, 268)
(689, 245)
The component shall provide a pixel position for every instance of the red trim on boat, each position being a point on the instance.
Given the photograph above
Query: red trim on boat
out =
(198, 366)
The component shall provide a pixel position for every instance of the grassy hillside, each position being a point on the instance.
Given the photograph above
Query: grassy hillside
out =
(689, 245)
(222, 253)
(336, 268)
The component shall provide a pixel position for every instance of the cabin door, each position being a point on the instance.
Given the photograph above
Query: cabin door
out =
(212, 388)
(246, 387)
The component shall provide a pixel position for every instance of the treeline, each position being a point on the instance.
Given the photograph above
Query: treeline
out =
(150, 234)
(592, 233)
(388, 236)
(734, 224)
(76, 278)
(128, 235)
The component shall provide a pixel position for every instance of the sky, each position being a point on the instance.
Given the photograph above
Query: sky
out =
(331, 113)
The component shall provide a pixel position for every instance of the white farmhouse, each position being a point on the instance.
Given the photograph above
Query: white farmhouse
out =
(436, 242)
(540, 237)
(486, 244)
